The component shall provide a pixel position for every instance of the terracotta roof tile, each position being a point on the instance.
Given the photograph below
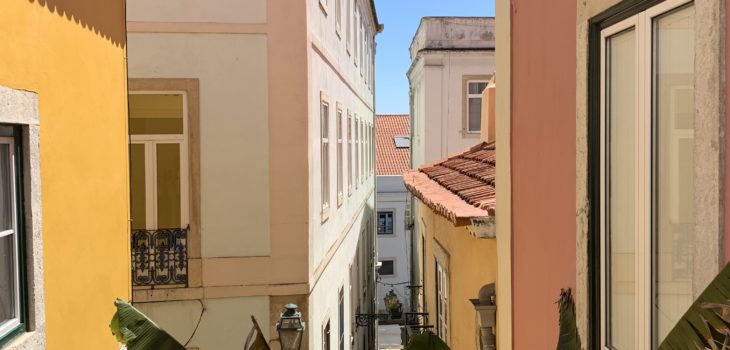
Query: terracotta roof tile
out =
(390, 160)
(460, 187)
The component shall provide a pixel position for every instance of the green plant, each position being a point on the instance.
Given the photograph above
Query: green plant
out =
(706, 324)
(132, 328)
(426, 341)
(568, 338)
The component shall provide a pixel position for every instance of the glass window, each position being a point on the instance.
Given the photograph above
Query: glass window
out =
(648, 217)
(474, 104)
(387, 268)
(155, 114)
(340, 153)
(673, 115)
(326, 336)
(385, 222)
(341, 315)
(10, 257)
(349, 152)
(402, 141)
(325, 167)
(158, 173)
(620, 119)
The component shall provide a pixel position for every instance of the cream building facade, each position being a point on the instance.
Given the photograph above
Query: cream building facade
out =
(259, 91)
(452, 61)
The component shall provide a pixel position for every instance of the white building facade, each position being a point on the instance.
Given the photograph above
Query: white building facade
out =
(452, 61)
(392, 209)
(272, 168)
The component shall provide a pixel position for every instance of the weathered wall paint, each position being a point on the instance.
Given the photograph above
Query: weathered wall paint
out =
(72, 54)
(472, 263)
(542, 165)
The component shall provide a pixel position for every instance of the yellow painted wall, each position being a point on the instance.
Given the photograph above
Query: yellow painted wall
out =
(472, 263)
(72, 54)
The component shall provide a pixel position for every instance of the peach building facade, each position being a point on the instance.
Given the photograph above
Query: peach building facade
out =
(574, 184)
(273, 161)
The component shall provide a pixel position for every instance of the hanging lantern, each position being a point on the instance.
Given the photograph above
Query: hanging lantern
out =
(393, 304)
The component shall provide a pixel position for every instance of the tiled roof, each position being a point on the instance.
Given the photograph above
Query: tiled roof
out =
(460, 187)
(390, 160)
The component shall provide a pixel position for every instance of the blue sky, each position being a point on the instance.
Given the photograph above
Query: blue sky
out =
(401, 19)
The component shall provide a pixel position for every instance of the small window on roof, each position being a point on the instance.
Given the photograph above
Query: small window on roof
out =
(402, 141)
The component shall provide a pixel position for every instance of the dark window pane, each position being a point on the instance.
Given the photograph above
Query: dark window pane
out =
(385, 223)
(387, 268)
(475, 114)
(7, 278)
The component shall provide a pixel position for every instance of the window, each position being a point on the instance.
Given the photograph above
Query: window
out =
(385, 222)
(473, 93)
(338, 18)
(326, 336)
(648, 265)
(341, 315)
(12, 286)
(357, 151)
(349, 152)
(356, 33)
(387, 268)
(361, 146)
(350, 14)
(325, 149)
(361, 41)
(402, 141)
(442, 303)
(340, 163)
(158, 159)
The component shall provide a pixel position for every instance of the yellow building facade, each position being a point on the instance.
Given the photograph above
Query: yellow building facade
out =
(63, 92)
(457, 249)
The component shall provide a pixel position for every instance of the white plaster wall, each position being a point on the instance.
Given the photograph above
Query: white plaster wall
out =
(390, 184)
(225, 323)
(323, 300)
(437, 82)
(333, 244)
(396, 246)
(212, 11)
(233, 130)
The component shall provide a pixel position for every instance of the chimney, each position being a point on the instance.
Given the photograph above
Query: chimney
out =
(488, 112)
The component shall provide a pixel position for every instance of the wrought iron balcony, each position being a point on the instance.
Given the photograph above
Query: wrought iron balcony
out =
(160, 257)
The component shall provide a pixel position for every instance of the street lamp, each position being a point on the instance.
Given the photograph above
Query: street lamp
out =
(290, 327)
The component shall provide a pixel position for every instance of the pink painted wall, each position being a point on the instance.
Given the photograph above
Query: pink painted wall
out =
(543, 166)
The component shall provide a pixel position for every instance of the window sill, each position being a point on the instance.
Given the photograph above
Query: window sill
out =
(340, 198)
(323, 7)
(338, 31)
(22, 339)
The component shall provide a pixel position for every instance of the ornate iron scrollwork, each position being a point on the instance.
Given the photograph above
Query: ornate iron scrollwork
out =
(364, 320)
(160, 257)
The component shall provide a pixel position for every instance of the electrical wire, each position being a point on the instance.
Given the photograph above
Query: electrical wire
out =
(202, 311)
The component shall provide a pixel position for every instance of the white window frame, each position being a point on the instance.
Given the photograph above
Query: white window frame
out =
(644, 255)
(150, 142)
(350, 18)
(442, 302)
(338, 18)
(10, 325)
(470, 96)
(324, 154)
(350, 156)
(340, 153)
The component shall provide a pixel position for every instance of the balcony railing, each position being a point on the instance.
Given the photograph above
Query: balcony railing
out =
(160, 258)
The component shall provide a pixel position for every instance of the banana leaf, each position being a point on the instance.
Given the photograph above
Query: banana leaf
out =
(257, 336)
(426, 341)
(133, 328)
(568, 338)
(706, 324)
